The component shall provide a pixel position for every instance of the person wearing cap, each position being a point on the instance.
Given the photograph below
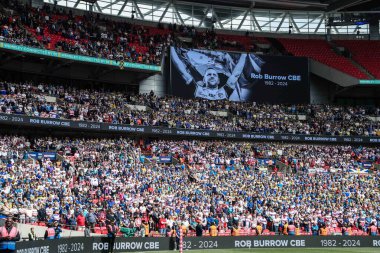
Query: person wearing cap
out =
(9, 235)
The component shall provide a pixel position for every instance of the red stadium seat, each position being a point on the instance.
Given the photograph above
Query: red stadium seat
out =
(97, 230)
(104, 230)
(321, 51)
(253, 232)
(364, 52)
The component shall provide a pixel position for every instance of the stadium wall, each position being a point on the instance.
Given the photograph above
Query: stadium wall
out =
(332, 74)
(321, 90)
(40, 231)
(153, 83)
(374, 29)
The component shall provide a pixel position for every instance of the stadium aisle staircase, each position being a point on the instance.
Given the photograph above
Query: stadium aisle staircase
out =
(366, 53)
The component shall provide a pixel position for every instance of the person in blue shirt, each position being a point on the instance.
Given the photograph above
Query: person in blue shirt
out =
(315, 229)
(58, 230)
(176, 233)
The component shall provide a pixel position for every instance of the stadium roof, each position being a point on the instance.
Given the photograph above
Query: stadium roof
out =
(306, 5)
(309, 5)
(302, 16)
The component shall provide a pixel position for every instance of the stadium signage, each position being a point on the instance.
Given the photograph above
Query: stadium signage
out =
(16, 119)
(74, 57)
(217, 75)
(165, 159)
(136, 244)
(369, 82)
(38, 155)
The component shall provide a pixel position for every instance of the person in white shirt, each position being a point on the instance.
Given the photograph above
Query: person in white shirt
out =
(276, 222)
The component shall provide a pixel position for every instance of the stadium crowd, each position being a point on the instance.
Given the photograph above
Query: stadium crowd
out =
(213, 185)
(207, 187)
(89, 35)
(94, 35)
(11, 31)
(117, 107)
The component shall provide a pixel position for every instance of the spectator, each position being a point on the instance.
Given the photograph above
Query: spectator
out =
(9, 235)
(116, 108)
(213, 230)
(50, 232)
(199, 229)
(87, 231)
(112, 231)
(238, 190)
(372, 230)
(323, 230)
(91, 219)
(291, 229)
(81, 221)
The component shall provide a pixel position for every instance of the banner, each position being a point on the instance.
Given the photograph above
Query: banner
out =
(366, 165)
(43, 155)
(266, 162)
(217, 75)
(74, 57)
(140, 244)
(21, 120)
(358, 171)
(165, 159)
(369, 82)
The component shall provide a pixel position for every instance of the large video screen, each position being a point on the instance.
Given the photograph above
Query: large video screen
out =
(217, 75)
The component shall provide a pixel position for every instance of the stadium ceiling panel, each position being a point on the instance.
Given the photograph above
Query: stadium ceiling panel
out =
(296, 16)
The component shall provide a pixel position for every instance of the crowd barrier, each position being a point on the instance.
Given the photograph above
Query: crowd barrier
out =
(15, 119)
(101, 245)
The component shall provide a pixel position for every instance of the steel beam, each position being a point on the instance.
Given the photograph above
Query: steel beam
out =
(164, 13)
(122, 8)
